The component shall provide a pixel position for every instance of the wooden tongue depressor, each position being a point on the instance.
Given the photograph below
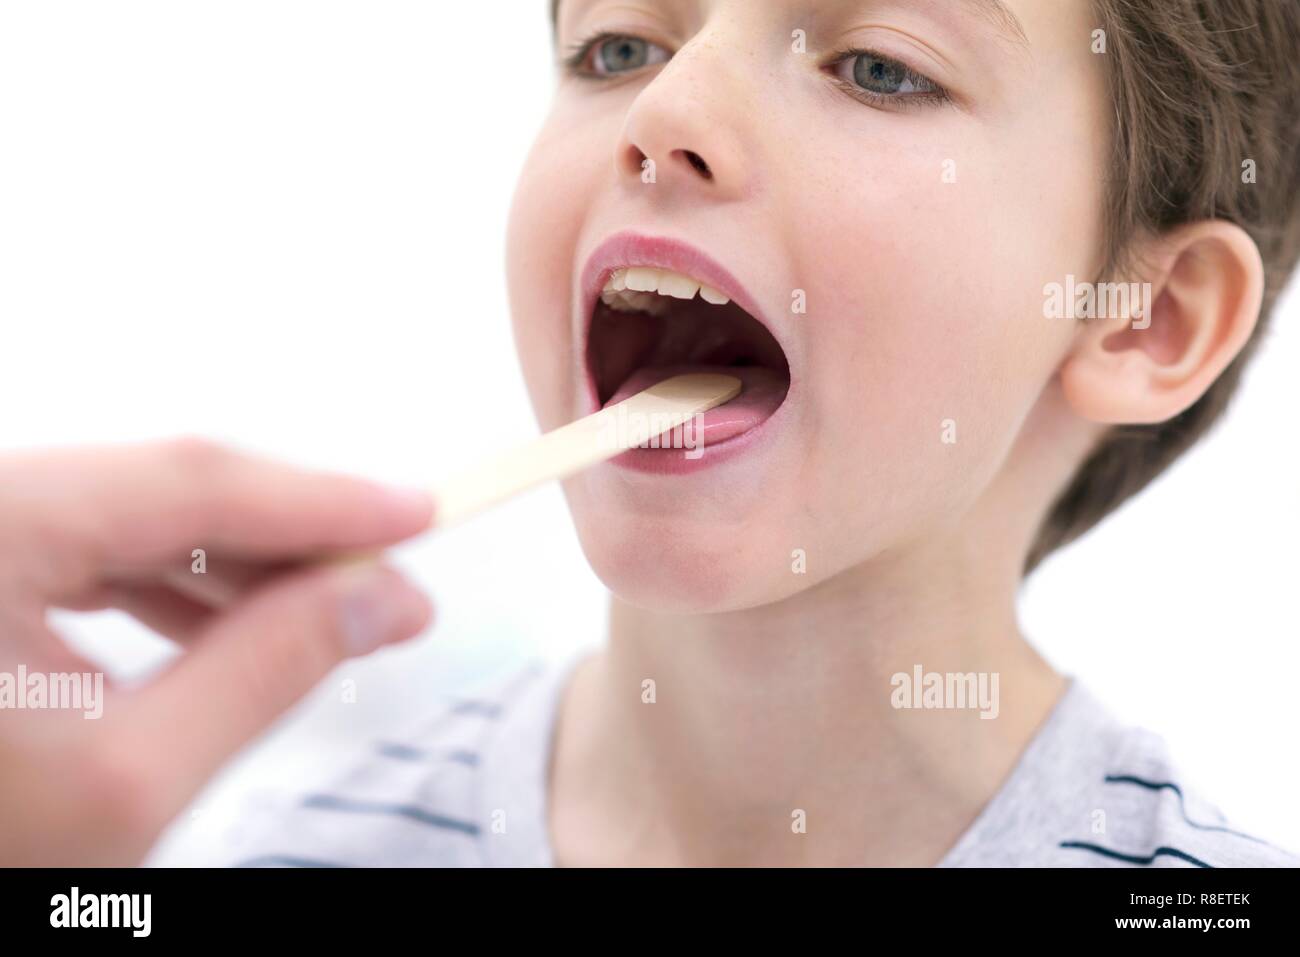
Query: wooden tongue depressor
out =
(581, 444)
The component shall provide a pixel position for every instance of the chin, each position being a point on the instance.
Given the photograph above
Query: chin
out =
(682, 563)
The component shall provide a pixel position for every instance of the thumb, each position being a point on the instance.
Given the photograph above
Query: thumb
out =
(260, 657)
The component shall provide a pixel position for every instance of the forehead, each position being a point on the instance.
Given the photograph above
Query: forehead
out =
(996, 12)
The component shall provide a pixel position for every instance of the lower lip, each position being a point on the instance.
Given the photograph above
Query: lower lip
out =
(717, 435)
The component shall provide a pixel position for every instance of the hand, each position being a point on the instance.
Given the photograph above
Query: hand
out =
(261, 618)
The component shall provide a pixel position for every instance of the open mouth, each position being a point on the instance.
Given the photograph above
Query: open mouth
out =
(650, 324)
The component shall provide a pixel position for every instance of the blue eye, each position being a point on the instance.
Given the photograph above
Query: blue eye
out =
(880, 77)
(613, 54)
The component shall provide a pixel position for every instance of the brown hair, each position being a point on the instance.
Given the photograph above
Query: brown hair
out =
(1198, 88)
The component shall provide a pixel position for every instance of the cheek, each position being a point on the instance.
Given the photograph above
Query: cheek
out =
(926, 343)
(546, 218)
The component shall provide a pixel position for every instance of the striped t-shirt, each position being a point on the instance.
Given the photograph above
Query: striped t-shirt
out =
(468, 788)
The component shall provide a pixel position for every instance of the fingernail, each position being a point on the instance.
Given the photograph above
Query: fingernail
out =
(380, 607)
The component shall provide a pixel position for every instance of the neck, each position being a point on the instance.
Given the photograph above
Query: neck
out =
(704, 737)
(761, 714)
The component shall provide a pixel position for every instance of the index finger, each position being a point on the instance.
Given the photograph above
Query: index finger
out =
(79, 515)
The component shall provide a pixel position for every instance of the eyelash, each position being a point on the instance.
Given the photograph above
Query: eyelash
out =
(935, 95)
(577, 55)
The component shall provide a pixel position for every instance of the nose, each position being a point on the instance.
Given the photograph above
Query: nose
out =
(685, 131)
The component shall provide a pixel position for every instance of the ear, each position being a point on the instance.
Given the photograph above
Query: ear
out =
(1206, 287)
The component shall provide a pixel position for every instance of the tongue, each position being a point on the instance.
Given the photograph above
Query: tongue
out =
(762, 392)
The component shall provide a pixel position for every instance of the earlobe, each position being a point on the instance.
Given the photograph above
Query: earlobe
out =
(1206, 286)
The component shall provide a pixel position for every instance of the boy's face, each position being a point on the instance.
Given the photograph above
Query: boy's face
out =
(908, 173)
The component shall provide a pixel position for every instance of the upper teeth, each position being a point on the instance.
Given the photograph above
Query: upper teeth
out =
(643, 288)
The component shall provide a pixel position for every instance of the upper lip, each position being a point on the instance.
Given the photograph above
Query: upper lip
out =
(626, 249)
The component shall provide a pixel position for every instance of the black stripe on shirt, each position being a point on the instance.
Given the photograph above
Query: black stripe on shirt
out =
(487, 709)
(330, 802)
(406, 752)
(1136, 858)
(1182, 807)
(284, 860)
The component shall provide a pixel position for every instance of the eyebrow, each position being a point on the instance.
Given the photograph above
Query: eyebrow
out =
(995, 11)
(999, 14)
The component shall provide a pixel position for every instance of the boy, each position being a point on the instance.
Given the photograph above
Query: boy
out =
(867, 210)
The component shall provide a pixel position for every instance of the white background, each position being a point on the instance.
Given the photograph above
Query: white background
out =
(281, 224)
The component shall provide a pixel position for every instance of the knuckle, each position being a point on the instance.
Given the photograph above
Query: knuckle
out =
(201, 467)
(194, 454)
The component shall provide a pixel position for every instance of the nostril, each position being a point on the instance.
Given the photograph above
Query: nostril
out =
(637, 162)
(697, 162)
(634, 159)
